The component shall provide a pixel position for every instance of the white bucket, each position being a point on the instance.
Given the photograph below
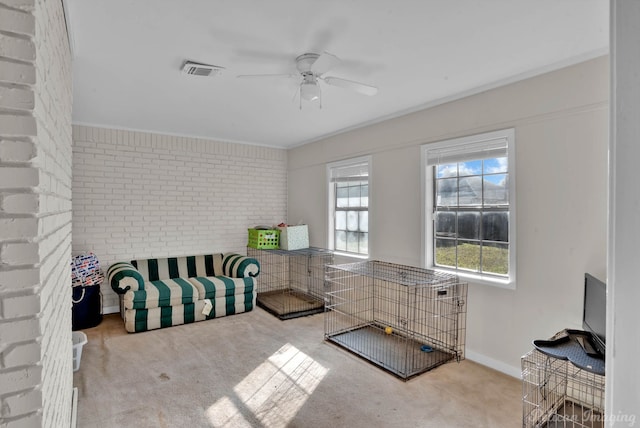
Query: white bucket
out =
(79, 340)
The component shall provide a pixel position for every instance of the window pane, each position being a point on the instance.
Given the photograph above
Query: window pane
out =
(495, 226)
(496, 190)
(469, 256)
(495, 258)
(342, 194)
(364, 221)
(341, 220)
(469, 225)
(447, 192)
(354, 196)
(470, 168)
(470, 191)
(445, 254)
(470, 216)
(364, 193)
(364, 243)
(341, 240)
(352, 242)
(446, 224)
(492, 166)
(349, 205)
(352, 220)
(450, 170)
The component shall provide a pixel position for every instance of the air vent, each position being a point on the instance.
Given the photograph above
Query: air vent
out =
(197, 69)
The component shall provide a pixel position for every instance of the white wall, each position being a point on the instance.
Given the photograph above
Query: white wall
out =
(623, 291)
(561, 123)
(35, 215)
(139, 195)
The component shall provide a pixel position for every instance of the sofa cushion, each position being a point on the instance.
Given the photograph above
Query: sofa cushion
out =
(137, 320)
(179, 267)
(168, 292)
(213, 287)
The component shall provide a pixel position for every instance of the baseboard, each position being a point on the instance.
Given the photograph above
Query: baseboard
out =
(493, 363)
(74, 408)
(111, 310)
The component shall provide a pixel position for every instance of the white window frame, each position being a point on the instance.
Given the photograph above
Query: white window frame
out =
(427, 180)
(331, 197)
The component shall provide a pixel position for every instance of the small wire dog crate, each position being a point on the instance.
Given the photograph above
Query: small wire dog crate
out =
(405, 320)
(291, 282)
(555, 393)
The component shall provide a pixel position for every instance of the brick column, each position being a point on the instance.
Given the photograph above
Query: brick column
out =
(35, 215)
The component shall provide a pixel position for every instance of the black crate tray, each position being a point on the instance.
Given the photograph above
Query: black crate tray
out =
(565, 346)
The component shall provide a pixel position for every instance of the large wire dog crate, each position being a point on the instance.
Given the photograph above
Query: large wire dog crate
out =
(405, 320)
(556, 393)
(291, 282)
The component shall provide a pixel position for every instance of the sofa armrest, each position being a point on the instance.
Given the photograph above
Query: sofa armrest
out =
(238, 266)
(123, 277)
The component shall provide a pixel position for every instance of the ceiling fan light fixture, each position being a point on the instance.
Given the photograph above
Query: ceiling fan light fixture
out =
(310, 91)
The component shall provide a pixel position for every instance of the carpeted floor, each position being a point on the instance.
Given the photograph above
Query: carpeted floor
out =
(253, 370)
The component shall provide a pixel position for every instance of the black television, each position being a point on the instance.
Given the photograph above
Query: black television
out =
(594, 318)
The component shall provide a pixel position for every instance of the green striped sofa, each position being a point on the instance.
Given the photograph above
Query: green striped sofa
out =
(156, 293)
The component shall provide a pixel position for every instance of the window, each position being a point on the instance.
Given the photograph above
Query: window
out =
(349, 206)
(470, 206)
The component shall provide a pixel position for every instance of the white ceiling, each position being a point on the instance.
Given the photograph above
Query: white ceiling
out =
(128, 55)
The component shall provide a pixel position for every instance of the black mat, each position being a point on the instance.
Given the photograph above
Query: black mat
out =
(395, 353)
(566, 347)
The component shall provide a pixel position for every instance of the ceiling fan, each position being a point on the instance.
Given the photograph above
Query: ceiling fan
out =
(311, 69)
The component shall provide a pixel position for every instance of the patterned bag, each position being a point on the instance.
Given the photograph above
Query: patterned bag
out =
(85, 270)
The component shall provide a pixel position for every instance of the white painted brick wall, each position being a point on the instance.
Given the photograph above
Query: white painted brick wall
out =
(139, 195)
(36, 376)
(54, 146)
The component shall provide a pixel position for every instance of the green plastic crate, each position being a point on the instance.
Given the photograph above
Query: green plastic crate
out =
(264, 239)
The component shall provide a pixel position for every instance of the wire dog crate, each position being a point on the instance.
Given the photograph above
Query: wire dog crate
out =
(405, 320)
(291, 283)
(555, 393)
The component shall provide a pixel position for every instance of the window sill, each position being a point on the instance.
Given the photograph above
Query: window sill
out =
(351, 255)
(506, 283)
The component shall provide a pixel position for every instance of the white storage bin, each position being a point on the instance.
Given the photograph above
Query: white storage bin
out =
(294, 237)
(79, 340)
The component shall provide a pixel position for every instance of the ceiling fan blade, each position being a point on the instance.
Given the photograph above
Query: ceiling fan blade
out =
(324, 63)
(268, 76)
(350, 84)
